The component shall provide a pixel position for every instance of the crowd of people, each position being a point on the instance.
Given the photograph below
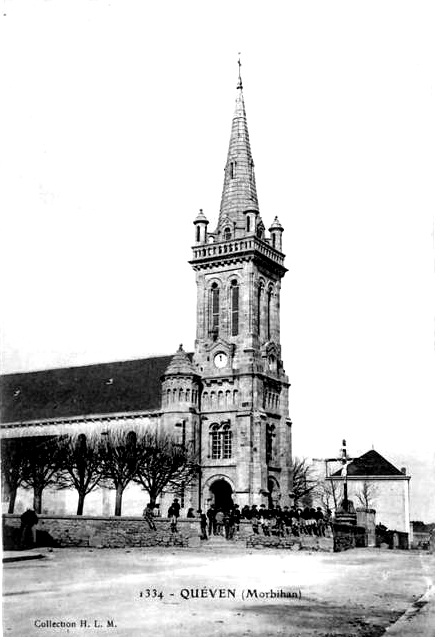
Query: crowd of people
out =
(288, 520)
(268, 521)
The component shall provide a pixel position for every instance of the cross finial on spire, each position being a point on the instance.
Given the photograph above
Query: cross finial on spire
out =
(239, 84)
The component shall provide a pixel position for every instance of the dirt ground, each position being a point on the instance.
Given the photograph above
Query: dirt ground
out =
(176, 593)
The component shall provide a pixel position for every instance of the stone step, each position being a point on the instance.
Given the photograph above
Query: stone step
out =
(20, 556)
(219, 542)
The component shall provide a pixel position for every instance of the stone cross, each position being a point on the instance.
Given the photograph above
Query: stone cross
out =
(345, 460)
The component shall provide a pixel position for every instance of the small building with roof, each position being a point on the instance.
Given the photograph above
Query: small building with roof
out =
(374, 482)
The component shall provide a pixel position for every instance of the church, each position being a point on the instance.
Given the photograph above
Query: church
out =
(228, 397)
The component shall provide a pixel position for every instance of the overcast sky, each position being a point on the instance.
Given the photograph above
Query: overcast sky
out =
(115, 122)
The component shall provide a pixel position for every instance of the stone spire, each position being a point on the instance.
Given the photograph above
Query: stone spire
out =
(239, 192)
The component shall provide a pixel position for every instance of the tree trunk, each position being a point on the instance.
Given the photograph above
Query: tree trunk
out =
(81, 503)
(118, 500)
(37, 499)
(153, 498)
(12, 498)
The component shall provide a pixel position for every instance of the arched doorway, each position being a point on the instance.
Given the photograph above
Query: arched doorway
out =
(221, 493)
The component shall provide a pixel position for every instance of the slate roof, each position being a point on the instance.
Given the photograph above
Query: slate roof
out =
(181, 363)
(370, 464)
(92, 389)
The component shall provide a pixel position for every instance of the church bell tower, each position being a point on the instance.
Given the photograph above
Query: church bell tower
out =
(245, 430)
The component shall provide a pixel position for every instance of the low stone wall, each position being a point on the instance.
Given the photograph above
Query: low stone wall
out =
(102, 532)
(348, 536)
(120, 532)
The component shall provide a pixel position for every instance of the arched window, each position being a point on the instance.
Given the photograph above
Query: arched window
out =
(221, 439)
(273, 239)
(259, 297)
(248, 223)
(216, 442)
(270, 435)
(227, 234)
(205, 400)
(168, 396)
(233, 165)
(220, 399)
(188, 395)
(234, 308)
(227, 441)
(214, 308)
(269, 308)
(228, 398)
(198, 233)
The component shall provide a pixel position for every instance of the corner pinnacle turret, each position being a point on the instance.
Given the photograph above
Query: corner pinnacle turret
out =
(239, 192)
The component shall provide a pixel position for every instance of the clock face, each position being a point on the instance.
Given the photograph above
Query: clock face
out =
(220, 360)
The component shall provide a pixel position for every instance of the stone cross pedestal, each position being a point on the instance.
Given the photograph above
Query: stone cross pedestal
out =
(345, 513)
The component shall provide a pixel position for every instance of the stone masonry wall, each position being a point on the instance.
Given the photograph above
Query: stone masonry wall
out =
(348, 536)
(113, 532)
(307, 543)
(104, 532)
(120, 532)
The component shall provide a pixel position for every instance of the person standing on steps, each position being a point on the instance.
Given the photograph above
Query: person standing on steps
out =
(203, 524)
(173, 518)
(264, 519)
(246, 512)
(211, 515)
(226, 523)
(219, 522)
(174, 508)
(255, 518)
(237, 516)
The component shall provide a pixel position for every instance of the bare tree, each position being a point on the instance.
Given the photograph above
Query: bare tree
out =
(13, 461)
(330, 493)
(304, 480)
(165, 465)
(121, 456)
(366, 495)
(81, 465)
(40, 467)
